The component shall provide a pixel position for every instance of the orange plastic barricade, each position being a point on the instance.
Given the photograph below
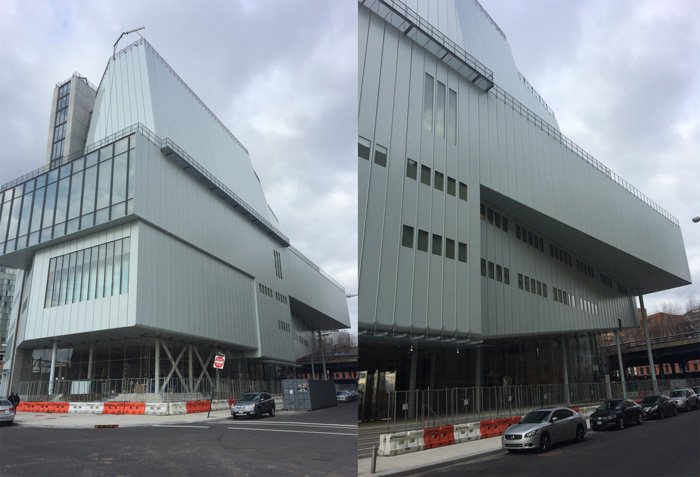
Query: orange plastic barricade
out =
(25, 407)
(57, 407)
(489, 428)
(438, 436)
(197, 406)
(113, 408)
(136, 408)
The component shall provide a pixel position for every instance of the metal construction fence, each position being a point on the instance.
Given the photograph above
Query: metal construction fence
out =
(128, 389)
(434, 407)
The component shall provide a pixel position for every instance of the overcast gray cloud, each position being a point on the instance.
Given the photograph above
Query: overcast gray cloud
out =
(623, 78)
(280, 74)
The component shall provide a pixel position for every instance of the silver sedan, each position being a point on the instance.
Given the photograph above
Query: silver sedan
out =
(7, 412)
(544, 427)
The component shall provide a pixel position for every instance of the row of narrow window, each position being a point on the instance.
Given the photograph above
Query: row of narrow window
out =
(606, 280)
(407, 240)
(364, 146)
(436, 118)
(529, 238)
(495, 271)
(59, 124)
(560, 255)
(265, 290)
(494, 218)
(569, 299)
(531, 285)
(95, 272)
(622, 289)
(284, 326)
(436, 179)
(303, 341)
(584, 268)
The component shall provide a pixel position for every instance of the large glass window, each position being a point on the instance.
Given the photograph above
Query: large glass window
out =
(428, 92)
(95, 272)
(452, 117)
(440, 111)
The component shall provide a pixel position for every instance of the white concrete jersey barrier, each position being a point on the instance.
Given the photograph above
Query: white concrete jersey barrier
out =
(587, 411)
(156, 409)
(467, 432)
(177, 408)
(85, 407)
(400, 443)
(219, 405)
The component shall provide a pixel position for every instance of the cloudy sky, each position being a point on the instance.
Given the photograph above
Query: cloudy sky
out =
(281, 75)
(623, 78)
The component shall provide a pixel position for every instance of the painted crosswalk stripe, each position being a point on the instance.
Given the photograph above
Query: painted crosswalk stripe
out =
(289, 430)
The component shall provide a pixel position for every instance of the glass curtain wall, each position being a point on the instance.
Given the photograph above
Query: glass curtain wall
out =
(88, 191)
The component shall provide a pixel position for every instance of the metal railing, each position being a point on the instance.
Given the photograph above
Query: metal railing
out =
(653, 341)
(142, 389)
(433, 407)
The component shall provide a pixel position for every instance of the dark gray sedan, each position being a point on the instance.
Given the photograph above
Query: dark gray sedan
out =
(253, 404)
(544, 427)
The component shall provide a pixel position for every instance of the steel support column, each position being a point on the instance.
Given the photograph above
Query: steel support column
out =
(645, 325)
(565, 365)
(619, 360)
(52, 372)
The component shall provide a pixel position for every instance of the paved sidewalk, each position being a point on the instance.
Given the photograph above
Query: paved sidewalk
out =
(67, 420)
(421, 461)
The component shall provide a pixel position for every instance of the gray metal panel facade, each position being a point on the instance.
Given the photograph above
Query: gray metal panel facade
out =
(512, 162)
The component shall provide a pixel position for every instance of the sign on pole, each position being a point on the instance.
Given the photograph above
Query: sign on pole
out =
(219, 361)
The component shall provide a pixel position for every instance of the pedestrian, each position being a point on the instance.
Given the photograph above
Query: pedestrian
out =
(17, 400)
(11, 398)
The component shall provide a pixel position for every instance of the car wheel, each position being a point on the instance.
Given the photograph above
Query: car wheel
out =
(687, 407)
(235, 418)
(662, 413)
(272, 411)
(545, 443)
(620, 423)
(580, 434)
(640, 420)
(675, 411)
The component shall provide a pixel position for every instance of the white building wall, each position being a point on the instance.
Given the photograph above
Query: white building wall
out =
(497, 148)
(139, 87)
(118, 311)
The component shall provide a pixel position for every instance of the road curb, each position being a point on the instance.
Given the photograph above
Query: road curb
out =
(436, 464)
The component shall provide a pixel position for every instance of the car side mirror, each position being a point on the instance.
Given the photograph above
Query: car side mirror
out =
(555, 419)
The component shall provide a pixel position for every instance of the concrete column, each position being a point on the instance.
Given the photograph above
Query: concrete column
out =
(650, 356)
(566, 371)
(433, 359)
(477, 380)
(412, 378)
(190, 370)
(323, 358)
(91, 356)
(157, 366)
(52, 373)
(313, 369)
(619, 360)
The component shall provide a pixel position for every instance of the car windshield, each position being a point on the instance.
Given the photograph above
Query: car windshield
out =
(249, 397)
(612, 404)
(679, 393)
(651, 400)
(4, 402)
(535, 417)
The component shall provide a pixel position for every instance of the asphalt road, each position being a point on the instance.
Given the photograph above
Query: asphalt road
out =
(669, 447)
(318, 443)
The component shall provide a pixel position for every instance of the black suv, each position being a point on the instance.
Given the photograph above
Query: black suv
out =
(254, 404)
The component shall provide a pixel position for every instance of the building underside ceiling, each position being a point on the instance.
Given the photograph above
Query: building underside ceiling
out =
(636, 274)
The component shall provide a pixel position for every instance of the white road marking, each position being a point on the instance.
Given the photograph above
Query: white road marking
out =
(186, 427)
(295, 423)
(288, 430)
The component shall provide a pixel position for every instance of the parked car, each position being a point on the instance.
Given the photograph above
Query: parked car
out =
(544, 427)
(345, 396)
(253, 404)
(7, 412)
(658, 406)
(696, 390)
(616, 413)
(685, 398)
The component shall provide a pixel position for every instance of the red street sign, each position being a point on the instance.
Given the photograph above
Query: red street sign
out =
(219, 361)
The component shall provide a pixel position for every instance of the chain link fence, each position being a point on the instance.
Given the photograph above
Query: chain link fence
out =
(133, 389)
(434, 407)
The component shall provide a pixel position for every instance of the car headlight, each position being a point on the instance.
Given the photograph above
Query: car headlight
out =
(531, 433)
(611, 418)
(654, 408)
